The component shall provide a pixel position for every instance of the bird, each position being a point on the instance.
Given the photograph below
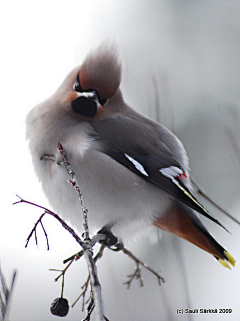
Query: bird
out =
(133, 171)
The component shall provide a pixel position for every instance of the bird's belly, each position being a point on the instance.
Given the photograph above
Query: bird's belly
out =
(112, 194)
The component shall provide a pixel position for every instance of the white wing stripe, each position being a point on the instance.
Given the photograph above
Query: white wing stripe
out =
(171, 172)
(137, 165)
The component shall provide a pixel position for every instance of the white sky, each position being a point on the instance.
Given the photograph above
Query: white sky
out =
(38, 41)
(38, 50)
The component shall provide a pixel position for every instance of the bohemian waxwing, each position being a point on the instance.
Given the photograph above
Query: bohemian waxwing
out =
(133, 172)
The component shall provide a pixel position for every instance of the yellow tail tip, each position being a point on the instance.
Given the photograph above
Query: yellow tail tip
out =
(224, 263)
(229, 258)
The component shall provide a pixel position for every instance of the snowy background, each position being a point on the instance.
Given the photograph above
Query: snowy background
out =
(181, 67)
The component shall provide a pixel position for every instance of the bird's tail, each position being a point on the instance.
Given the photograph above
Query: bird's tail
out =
(183, 221)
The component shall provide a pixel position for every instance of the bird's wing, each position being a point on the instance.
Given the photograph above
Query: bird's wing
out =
(140, 148)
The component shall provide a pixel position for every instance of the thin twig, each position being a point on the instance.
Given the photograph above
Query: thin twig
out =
(90, 309)
(137, 273)
(45, 234)
(100, 253)
(47, 211)
(62, 271)
(233, 131)
(82, 295)
(5, 294)
(74, 256)
(95, 239)
(35, 235)
(201, 192)
(34, 229)
(87, 246)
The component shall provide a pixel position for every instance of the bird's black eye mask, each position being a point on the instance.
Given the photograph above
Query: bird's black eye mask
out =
(88, 102)
(86, 105)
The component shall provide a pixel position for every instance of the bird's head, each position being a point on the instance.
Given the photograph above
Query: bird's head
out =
(95, 81)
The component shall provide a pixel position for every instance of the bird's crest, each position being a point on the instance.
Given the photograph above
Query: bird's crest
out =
(101, 70)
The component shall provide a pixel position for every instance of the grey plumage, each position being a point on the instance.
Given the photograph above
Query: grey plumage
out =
(119, 156)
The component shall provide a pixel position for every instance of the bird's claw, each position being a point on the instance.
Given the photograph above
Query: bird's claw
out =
(110, 241)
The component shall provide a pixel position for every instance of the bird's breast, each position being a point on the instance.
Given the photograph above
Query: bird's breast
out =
(111, 192)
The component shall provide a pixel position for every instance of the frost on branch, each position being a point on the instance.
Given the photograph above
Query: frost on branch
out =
(104, 237)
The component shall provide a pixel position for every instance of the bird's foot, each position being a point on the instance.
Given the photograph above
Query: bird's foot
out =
(110, 240)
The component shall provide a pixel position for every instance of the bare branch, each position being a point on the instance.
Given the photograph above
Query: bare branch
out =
(62, 271)
(233, 131)
(86, 284)
(137, 273)
(95, 284)
(90, 309)
(45, 234)
(82, 295)
(35, 234)
(47, 211)
(5, 294)
(34, 230)
(75, 184)
(76, 256)
(87, 244)
(201, 192)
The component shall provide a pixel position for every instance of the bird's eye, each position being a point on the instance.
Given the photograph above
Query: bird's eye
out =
(94, 95)
(77, 86)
